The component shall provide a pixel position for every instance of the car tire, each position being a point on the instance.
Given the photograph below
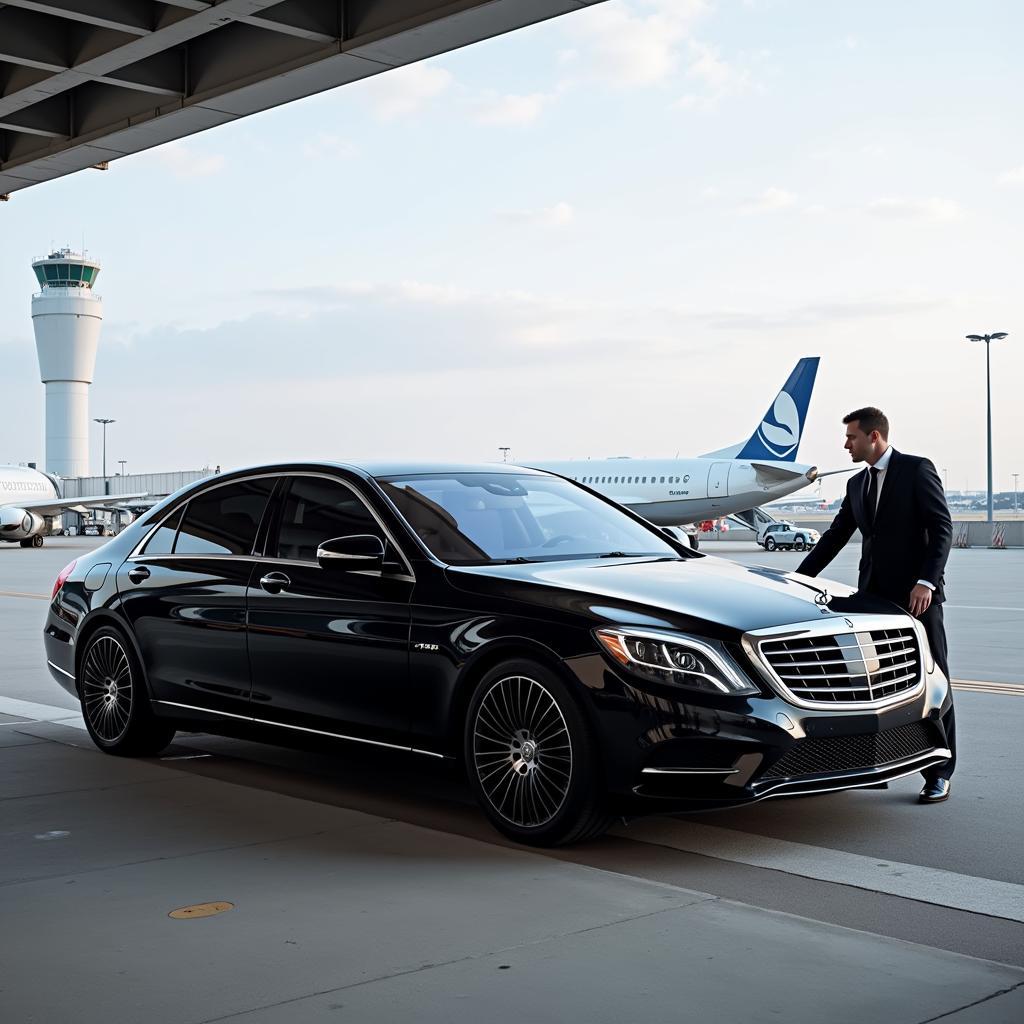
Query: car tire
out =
(115, 702)
(799, 544)
(531, 759)
(769, 544)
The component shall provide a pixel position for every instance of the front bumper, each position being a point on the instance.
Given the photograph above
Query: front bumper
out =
(668, 749)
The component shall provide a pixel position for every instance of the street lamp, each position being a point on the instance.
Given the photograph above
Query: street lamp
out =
(988, 379)
(104, 422)
(121, 463)
(1015, 475)
(504, 449)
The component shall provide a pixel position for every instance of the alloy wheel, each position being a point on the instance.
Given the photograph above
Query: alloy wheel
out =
(107, 690)
(522, 751)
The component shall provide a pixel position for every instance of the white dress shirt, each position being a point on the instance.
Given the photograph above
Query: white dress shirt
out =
(882, 466)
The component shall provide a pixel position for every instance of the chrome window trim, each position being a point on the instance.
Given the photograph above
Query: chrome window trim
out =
(137, 556)
(815, 628)
(202, 488)
(300, 728)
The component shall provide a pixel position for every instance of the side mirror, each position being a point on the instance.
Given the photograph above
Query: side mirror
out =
(682, 539)
(349, 554)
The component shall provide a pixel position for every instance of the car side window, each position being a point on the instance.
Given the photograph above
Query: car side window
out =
(224, 520)
(316, 509)
(162, 541)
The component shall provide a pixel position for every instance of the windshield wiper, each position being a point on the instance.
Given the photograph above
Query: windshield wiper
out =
(518, 560)
(615, 554)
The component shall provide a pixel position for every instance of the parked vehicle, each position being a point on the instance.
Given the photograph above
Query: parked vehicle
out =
(787, 536)
(578, 661)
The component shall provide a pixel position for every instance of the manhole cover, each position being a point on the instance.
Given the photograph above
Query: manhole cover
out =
(201, 910)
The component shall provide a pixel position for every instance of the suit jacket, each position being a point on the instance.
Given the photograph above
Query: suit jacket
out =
(909, 539)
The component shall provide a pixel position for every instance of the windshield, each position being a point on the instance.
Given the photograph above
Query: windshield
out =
(475, 518)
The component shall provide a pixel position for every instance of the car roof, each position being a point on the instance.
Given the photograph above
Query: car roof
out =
(382, 468)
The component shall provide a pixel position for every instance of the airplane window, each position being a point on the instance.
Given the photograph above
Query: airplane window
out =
(662, 479)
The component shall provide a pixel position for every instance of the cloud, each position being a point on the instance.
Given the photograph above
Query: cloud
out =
(510, 109)
(186, 161)
(557, 216)
(828, 313)
(326, 146)
(769, 200)
(407, 89)
(933, 210)
(636, 43)
(1012, 177)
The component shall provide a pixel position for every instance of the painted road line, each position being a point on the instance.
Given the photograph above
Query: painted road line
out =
(17, 593)
(989, 686)
(41, 712)
(982, 608)
(875, 874)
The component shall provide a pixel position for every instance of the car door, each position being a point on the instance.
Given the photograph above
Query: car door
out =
(329, 648)
(184, 594)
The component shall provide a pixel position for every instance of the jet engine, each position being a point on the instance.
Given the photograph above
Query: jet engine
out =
(17, 524)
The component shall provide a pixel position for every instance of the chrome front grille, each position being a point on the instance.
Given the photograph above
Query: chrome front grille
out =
(869, 662)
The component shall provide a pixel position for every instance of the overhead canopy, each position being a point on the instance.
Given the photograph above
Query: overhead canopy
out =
(83, 82)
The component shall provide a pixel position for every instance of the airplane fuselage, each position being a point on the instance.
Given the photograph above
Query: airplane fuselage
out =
(673, 492)
(20, 484)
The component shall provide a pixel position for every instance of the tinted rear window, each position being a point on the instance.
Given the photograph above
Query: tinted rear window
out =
(224, 520)
(162, 542)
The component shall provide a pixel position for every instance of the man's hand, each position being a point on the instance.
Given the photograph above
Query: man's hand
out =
(920, 600)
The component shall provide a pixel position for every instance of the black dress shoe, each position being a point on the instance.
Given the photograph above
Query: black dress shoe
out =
(934, 792)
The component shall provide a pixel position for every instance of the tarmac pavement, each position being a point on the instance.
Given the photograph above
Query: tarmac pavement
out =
(367, 887)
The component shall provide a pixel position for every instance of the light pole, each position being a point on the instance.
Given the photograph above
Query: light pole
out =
(104, 422)
(987, 338)
(945, 483)
(121, 463)
(1015, 475)
(504, 453)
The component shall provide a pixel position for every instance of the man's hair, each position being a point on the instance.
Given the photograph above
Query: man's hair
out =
(869, 418)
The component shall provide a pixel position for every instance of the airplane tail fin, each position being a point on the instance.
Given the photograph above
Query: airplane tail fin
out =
(777, 437)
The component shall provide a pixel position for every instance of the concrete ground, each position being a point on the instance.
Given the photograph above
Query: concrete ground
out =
(367, 887)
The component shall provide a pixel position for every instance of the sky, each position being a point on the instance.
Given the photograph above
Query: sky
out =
(612, 233)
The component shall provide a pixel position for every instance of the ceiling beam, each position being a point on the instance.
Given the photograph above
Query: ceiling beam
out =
(119, 15)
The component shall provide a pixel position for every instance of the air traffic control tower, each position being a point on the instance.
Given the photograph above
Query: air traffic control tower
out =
(66, 317)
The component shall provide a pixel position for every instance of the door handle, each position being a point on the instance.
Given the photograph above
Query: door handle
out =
(275, 582)
(138, 574)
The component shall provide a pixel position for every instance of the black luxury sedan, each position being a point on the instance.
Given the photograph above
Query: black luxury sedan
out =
(582, 663)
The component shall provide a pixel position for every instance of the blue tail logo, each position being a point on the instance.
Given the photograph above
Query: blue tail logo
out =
(778, 436)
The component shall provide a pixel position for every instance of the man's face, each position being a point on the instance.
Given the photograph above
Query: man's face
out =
(859, 444)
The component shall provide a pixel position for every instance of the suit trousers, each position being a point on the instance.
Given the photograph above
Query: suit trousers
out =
(932, 621)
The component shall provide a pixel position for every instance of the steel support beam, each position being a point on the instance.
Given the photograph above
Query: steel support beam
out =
(87, 81)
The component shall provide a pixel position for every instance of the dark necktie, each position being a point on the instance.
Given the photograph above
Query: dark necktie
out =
(871, 501)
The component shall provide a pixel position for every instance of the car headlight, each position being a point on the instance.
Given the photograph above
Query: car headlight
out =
(926, 648)
(678, 659)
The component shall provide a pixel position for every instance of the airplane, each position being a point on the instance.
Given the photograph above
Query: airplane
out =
(30, 501)
(730, 481)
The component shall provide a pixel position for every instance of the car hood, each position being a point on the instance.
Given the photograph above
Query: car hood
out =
(654, 591)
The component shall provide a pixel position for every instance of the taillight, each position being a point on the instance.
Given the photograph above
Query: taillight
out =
(64, 574)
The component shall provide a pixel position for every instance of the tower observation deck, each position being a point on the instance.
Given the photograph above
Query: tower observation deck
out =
(66, 317)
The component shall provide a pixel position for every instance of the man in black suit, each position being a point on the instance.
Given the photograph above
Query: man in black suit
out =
(900, 508)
